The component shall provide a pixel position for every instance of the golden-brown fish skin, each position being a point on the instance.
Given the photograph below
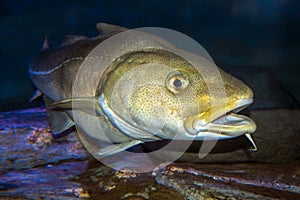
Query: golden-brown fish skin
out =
(145, 95)
(150, 91)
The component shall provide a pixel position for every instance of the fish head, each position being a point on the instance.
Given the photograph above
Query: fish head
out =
(220, 97)
(157, 94)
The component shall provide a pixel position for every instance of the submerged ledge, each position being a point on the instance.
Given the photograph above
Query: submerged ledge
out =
(35, 165)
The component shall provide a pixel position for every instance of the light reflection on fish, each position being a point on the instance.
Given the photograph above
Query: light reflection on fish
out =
(180, 95)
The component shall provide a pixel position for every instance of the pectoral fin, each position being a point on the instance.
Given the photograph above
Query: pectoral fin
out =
(59, 121)
(85, 104)
(117, 148)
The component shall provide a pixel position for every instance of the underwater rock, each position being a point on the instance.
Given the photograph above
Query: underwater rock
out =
(27, 143)
(233, 181)
(45, 182)
(195, 181)
(34, 165)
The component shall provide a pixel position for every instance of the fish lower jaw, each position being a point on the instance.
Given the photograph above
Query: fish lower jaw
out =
(223, 122)
(225, 127)
(230, 125)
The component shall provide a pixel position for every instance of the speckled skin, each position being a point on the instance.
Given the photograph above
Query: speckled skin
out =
(192, 100)
(136, 86)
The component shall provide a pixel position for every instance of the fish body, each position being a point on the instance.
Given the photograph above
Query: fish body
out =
(53, 70)
(143, 95)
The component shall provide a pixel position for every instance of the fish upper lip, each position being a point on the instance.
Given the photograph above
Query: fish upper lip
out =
(226, 124)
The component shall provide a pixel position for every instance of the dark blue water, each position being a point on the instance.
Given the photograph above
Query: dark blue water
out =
(238, 32)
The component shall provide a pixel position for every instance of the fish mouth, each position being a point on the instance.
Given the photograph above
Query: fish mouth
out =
(221, 122)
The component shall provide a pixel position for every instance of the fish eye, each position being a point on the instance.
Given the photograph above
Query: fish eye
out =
(177, 82)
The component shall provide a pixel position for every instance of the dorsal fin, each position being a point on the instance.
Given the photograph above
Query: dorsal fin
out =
(70, 39)
(108, 29)
(46, 45)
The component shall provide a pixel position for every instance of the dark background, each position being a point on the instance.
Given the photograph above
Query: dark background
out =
(260, 33)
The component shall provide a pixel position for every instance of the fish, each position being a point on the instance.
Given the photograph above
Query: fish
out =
(142, 95)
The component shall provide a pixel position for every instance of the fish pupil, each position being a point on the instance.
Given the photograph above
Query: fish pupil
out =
(177, 83)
